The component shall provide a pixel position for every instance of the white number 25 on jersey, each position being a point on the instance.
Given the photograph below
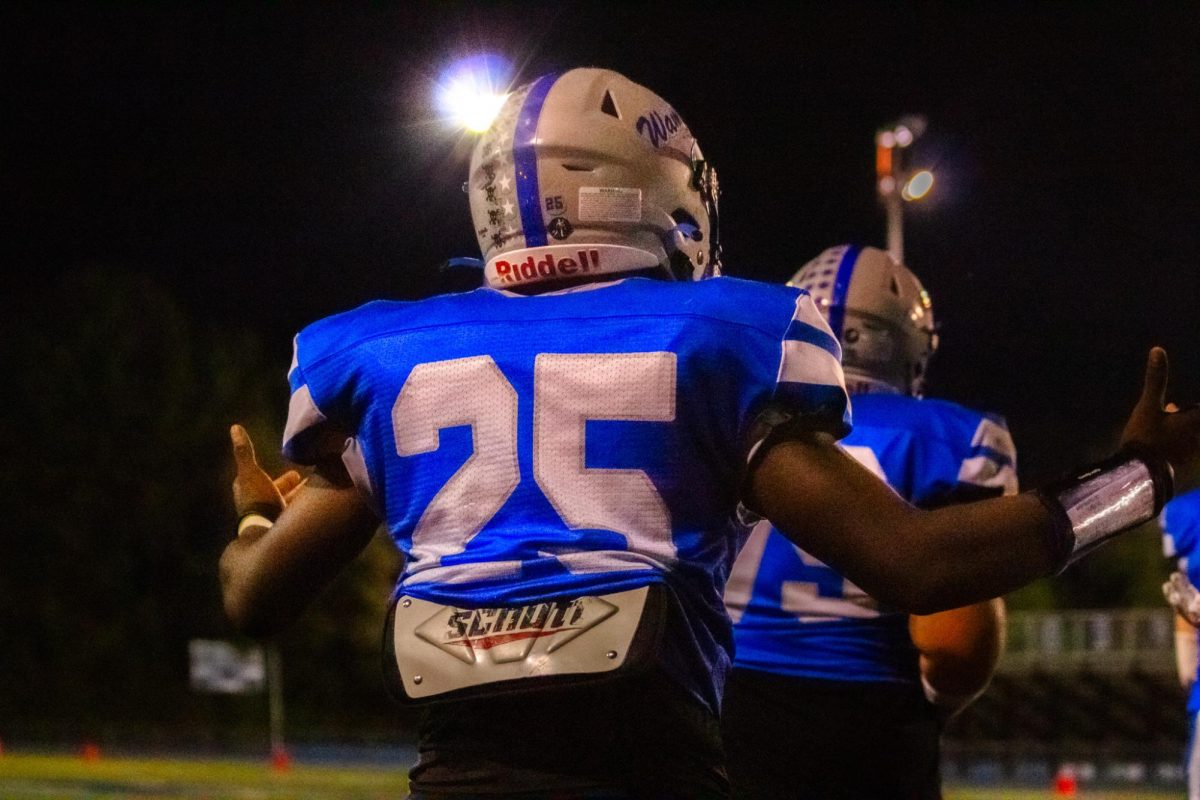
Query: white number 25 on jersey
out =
(569, 390)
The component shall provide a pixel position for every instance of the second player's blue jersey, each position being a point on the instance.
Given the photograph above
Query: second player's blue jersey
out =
(525, 448)
(796, 616)
(1181, 539)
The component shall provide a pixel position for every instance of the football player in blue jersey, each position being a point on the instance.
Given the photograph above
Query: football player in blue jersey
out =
(824, 674)
(1181, 544)
(569, 458)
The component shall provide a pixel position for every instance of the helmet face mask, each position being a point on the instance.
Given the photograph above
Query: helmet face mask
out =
(587, 175)
(881, 314)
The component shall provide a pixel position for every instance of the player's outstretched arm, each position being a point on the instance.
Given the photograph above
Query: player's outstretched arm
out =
(272, 570)
(929, 561)
(920, 561)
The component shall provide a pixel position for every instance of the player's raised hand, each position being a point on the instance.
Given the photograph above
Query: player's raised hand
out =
(254, 491)
(289, 483)
(1162, 430)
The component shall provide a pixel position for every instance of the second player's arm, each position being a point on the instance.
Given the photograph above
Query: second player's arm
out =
(920, 561)
(929, 561)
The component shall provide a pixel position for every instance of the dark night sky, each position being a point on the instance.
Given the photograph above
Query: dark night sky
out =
(284, 159)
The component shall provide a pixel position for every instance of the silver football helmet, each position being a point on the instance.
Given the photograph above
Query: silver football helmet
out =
(587, 174)
(879, 311)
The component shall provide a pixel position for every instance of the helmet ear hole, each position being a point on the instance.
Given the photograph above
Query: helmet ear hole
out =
(683, 218)
(609, 106)
(895, 288)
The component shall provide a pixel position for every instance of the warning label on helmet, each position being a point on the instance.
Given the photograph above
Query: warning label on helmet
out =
(609, 204)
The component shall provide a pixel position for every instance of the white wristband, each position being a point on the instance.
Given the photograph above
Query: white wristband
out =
(253, 521)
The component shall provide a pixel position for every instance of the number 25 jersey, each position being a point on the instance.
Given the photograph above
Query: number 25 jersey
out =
(524, 448)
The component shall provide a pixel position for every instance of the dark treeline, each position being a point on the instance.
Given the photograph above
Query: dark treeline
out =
(115, 507)
(115, 498)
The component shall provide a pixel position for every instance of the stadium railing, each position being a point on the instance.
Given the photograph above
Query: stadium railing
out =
(1094, 691)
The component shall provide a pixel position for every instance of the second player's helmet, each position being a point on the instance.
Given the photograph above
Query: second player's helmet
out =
(880, 313)
(587, 174)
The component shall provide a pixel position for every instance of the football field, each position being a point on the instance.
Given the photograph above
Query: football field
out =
(26, 777)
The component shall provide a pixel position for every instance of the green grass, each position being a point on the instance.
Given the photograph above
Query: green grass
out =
(25, 777)
(56, 777)
(1047, 794)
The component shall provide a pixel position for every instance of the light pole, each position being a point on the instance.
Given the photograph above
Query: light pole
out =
(894, 181)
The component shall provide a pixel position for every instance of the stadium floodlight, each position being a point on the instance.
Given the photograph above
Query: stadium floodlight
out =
(917, 186)
(471, 92)
(472, 108)
(894, 181)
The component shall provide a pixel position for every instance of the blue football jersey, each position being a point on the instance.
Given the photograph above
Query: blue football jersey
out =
(524, 448)
(796, 616)
(1180, 521)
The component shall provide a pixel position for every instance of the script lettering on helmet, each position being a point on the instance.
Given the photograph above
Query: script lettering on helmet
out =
(659, 127)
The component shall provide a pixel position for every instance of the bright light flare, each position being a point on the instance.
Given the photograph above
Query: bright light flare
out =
(471, 108)
(472, 91)
(918, 185)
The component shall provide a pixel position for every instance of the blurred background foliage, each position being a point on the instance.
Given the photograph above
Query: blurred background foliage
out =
(116, 506)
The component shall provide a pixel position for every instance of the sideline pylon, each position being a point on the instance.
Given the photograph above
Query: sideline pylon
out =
(281, 760)
(1065, 782)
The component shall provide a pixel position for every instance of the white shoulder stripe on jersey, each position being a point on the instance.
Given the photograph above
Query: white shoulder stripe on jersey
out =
(302, 414)
(295, 356)
(984, 471)
(802, 362)
(1169, 550)
(997, 468)
(994, 436)
(806, 312)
